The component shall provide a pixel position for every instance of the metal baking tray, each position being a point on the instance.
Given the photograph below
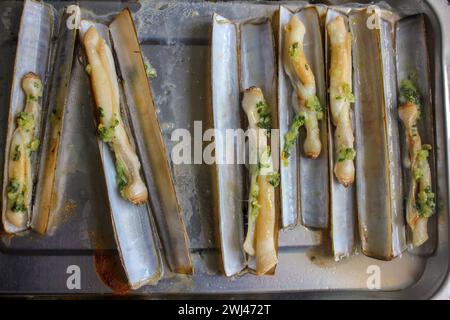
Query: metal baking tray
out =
(175, 36)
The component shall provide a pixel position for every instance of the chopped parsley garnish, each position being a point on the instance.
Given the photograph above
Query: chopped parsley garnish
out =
(417, 173)
(19, 203)
(265, 118)
(149, 70)
(37, 85)
(17, 154)
(254, 195)
(12, 189)
(313, 103)
(107, 134)
(409, 92)
(426, 203)
(18, 199)
(291, 135)
(294, 50)
(31, 97)
(34, 145)
(423, 153)
(121, 176)
(274, 179)
(346, 154)
(347, 94)
(265, 161)
(25, 120)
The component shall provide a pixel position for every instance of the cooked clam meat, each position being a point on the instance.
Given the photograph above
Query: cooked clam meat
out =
(23, 143)
(308, 108)
(340, 99)
(421, 200)
(111, 128)
(260, 240)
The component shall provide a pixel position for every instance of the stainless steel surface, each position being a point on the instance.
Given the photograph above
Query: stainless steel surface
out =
(175, 37)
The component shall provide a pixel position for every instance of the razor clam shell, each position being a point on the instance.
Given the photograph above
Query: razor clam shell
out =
(32, 55)
(142, 111)
(412, 56)
(258, 68)
(393, 136)
(343, 204)
(311, 174)
(227, 115)
(290, 201)
(381, 223)
(133, 230)
(46, 186)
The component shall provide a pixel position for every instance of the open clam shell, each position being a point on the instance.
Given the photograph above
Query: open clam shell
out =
(32, 55)
(46, 185)
(133, 229)
(343, 202)
(413, 59)
(380, 214)
(258, 69)
(304, 181)
(142, 114)
(227, 115)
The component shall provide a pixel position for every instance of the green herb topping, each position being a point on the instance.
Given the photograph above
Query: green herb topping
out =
(19, 203)
(265, 118)
(313, 103)
(346, 154)
(16, 154)
(274, 179)
(423, 153)
(12, 189)
(291, 135)
(31, 97)
(149, 70)
(347, 94)
(409, 92)
(34, 145)
(426, 203)
(107, 134)
(254, 195)
(17, 199)
(417, 173)
(121, 176)
(37, 85)
(25, 120)
(294, 50)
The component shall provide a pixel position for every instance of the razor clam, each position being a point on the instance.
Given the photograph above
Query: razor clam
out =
(342, 207)
(32, 56)
(136, 241)
(310, 176)
(227, 115)
(381, 224)
(166, 210)
(46, 188)
(257, 69)
(412, 58)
